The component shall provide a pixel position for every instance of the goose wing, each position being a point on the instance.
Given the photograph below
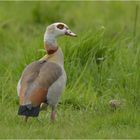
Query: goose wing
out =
(35, 82)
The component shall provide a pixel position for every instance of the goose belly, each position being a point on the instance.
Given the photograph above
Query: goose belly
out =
(56, 89)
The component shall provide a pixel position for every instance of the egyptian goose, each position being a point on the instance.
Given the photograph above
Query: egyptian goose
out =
(43, 81)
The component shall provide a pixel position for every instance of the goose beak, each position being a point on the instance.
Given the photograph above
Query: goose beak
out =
(70, 33)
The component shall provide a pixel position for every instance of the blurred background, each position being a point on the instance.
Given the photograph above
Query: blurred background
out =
(102, 63)
(82, 16)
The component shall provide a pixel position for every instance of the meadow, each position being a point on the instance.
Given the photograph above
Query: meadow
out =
(102, 63)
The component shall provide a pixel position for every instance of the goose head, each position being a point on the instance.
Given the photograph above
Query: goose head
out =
(59, 29)
(54, 31)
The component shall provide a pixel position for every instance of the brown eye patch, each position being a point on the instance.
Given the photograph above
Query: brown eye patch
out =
(60, 26)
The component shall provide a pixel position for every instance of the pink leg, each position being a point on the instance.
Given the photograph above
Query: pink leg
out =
(53, 115)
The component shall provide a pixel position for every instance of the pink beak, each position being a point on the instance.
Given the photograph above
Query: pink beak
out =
(70, 33)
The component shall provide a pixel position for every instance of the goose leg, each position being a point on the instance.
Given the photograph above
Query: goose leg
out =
(26, 118)
(53, 114)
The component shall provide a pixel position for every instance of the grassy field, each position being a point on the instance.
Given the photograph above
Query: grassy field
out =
(102, 63)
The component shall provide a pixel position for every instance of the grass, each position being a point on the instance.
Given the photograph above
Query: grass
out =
(101, 64)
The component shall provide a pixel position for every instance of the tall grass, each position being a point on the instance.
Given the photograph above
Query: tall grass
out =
(102, 63)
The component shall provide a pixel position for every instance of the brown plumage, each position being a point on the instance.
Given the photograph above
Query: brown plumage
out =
(45, 79)
(36, 80)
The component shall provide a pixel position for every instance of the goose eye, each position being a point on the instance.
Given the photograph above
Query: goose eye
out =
(60, 26)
